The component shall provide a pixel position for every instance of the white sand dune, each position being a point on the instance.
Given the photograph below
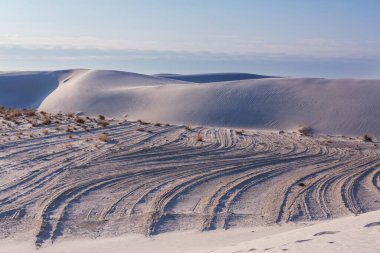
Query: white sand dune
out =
(344, 106)
(349, 107)
(61, 185)
(29, 89)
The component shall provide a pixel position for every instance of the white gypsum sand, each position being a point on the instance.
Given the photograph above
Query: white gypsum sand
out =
(68, 179)
(357, 234)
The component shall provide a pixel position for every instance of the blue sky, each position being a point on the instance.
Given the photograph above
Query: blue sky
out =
(326, 38)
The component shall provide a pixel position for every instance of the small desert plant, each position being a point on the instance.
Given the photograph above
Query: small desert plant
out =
(102, 117)
(199, 138)
(367, 138)
(188, 128)
(69, 130)
(29, 112)
(70, 115)
(306, 131)
(103, 137)
(43, 113)
(104, 123)
(46, 121)
(80, 120)
(142, 122)
(157, 124)
(68, 145)
(45, 132)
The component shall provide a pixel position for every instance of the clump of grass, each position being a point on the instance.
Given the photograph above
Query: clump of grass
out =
(104, 123)
(47, 121)
(367, 138)
(103, 137)
(43, 113)
(158, 124)
(102, 117)
(188, 128)
(70, 115)
(199, 138)
(305, 131)
(142, 122)
(69, 130)
(80, 120)
(68, 145)
(45, 132)
(29, 112)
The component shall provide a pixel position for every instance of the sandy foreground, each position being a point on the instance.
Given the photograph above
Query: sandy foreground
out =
(75, 179)
(351, 234)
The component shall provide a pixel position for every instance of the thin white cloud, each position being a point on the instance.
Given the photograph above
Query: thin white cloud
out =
(309, 47)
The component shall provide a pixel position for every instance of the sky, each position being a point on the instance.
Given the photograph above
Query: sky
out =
(321, 38)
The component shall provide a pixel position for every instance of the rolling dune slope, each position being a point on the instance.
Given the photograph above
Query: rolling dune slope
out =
(342, 106)
(29, 89)
(349, 107)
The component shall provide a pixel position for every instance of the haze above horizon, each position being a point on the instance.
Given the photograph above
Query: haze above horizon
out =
(288, 38)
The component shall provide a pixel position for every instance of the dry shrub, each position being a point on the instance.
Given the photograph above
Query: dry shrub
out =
(29, 112)
(367, 138)
(43, 113)
(157, 124)
(306, 131)
(69, 130)
(45, 132)
(46, 121)
(80, 120)
(142, 122)
(188, 128)
(102, 117)
(199, 138)
(104, 123)
(103, 137)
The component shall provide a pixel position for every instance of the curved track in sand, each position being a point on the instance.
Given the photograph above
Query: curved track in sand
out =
(154, 179)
